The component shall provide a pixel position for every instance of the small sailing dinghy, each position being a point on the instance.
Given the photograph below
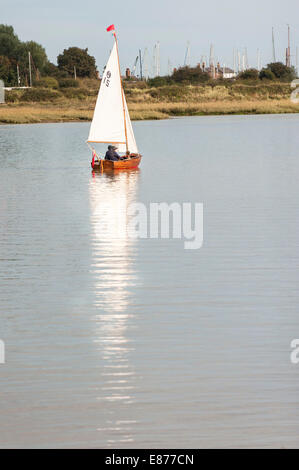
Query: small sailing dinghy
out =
(111, 122)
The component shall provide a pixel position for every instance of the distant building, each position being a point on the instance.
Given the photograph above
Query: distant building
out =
(130, 75)
(217, 71)
(227, 72)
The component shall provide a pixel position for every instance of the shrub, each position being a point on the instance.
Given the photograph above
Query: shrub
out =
(266, 74)
(39, 94)
(168, 93)
(47, 82)
(13, 96)
(158, 81)
(68, 83)
(190, 75)
(78, 93)
(134, 84)
(249, 74)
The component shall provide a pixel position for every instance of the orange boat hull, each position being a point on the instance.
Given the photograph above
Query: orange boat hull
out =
(127, 164)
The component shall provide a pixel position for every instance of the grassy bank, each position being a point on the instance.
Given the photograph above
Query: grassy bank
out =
(77, 103)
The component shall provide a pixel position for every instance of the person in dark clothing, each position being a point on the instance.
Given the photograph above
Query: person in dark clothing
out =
(111, 154)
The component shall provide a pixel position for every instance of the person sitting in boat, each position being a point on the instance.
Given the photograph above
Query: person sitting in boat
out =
(111, 154)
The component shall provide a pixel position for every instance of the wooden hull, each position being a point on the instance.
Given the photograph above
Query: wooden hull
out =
(108, 165)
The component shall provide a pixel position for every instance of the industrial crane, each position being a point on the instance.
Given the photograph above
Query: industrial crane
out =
(134, 66)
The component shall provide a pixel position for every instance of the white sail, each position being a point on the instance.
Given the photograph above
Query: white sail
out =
(108, 123)
(108, 119)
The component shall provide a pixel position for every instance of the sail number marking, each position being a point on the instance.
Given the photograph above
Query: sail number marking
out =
(107, 78)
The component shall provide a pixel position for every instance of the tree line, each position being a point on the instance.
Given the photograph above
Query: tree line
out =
(14, 60)
(14, 63)
(196, 75)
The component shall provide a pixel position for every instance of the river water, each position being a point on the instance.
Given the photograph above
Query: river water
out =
(123, 343)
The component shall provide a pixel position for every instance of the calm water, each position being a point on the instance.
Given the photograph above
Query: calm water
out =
(140, 343)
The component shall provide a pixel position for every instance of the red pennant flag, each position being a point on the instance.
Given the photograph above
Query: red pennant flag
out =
(111, 28)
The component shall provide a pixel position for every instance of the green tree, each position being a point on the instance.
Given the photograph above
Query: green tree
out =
(8, 71)
(6, 29)
(9, 42)
(52, 70)
(282, 72)
(79, 58)
(38, 54)
(17, 52)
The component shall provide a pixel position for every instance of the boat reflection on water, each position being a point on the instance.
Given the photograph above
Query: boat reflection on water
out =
(114, 279)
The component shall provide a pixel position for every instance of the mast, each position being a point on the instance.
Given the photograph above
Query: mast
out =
(234, 59)
(30, 75)
(259, 60)
(273, 46)
(187, 55)
(18, 75)
(288, 51)
(140, 63)
(246, 58)
(122, 91)
(145, 64)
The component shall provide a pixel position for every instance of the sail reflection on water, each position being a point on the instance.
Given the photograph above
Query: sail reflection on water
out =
(112, 249)
(114, 278)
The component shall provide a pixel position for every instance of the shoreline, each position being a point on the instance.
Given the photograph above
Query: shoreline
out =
(46, 105)
(34, 113)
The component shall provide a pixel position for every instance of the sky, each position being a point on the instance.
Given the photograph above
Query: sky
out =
(227, 24)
